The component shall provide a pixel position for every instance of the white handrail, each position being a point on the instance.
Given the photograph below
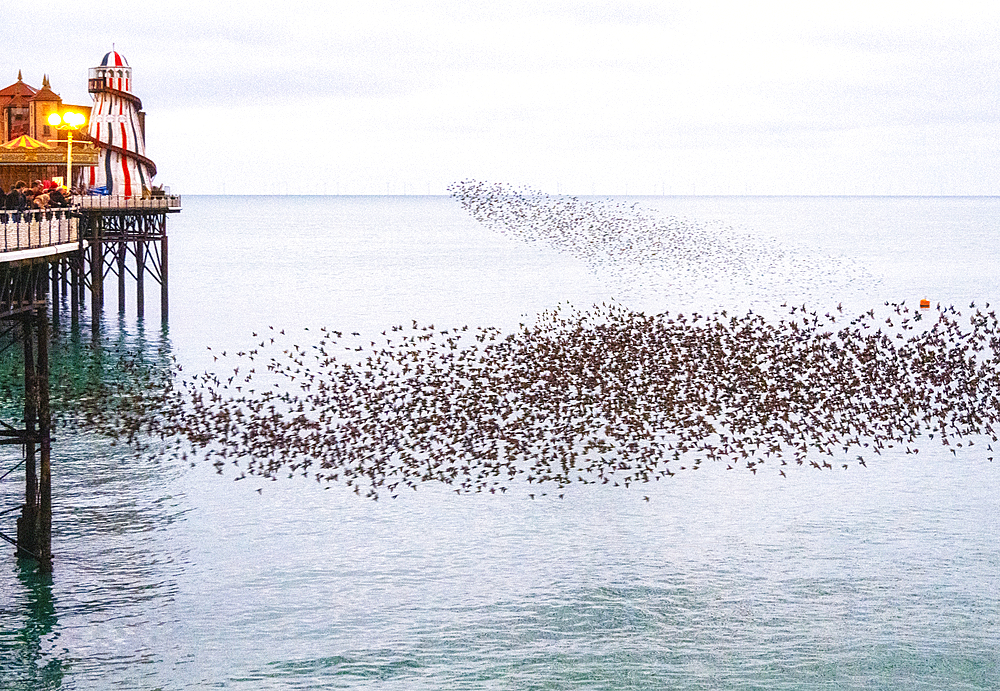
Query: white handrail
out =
(97, 201)
(34, 228)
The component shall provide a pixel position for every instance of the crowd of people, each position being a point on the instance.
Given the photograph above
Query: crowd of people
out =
(40, 195)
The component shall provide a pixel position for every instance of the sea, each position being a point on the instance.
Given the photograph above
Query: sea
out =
(170, 575)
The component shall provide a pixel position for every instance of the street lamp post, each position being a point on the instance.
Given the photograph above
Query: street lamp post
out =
(69, 122)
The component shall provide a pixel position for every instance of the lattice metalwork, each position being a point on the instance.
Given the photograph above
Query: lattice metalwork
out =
(23, 286)
(125, 242)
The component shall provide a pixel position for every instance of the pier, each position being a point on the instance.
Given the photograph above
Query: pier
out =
(117, 228)
(46, 256)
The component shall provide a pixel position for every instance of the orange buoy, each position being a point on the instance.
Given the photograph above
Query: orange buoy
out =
(925, 304)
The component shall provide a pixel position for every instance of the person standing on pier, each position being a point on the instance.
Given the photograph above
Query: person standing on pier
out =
(58, 196)
(16, 200)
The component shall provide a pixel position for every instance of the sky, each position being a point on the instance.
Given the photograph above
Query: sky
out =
(565, 96)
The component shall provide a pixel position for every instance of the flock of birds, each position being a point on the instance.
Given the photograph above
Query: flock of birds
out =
(650, 259)
(607, 395)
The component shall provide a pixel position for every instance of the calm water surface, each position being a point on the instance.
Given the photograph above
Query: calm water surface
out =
(170, 577)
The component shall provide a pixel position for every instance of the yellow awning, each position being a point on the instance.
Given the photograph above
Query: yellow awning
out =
(25, 142)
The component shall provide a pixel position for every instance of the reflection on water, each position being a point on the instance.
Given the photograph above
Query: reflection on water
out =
(107, 513)
(28, 626)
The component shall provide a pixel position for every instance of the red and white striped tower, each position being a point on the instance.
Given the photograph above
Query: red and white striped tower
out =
(117, 127)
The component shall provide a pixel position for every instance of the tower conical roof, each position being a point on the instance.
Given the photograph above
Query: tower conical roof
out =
(114, 59)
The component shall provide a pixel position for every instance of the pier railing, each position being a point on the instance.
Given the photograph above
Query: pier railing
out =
(34, 228)
(97, 201)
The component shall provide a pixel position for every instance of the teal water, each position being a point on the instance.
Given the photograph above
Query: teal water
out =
(172, 577)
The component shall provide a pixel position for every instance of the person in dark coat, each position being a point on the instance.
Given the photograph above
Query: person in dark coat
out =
(57, 197)
(16, 200)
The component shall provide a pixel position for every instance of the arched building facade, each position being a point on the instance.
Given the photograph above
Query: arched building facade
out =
(25, 110)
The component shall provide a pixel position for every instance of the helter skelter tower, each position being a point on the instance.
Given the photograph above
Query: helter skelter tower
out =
(117, 127)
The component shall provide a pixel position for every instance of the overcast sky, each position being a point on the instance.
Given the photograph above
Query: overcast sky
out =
(564, 95)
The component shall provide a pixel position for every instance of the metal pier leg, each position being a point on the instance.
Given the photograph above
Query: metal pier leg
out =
(140, 271)
(83, 278)
(96, 282)
(120, 256)
(44, 524)
(164, 303)
(54, 295)
(27, 536)
(74, 290)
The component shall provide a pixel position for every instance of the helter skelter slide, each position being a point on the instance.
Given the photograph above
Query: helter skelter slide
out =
(117, 128)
